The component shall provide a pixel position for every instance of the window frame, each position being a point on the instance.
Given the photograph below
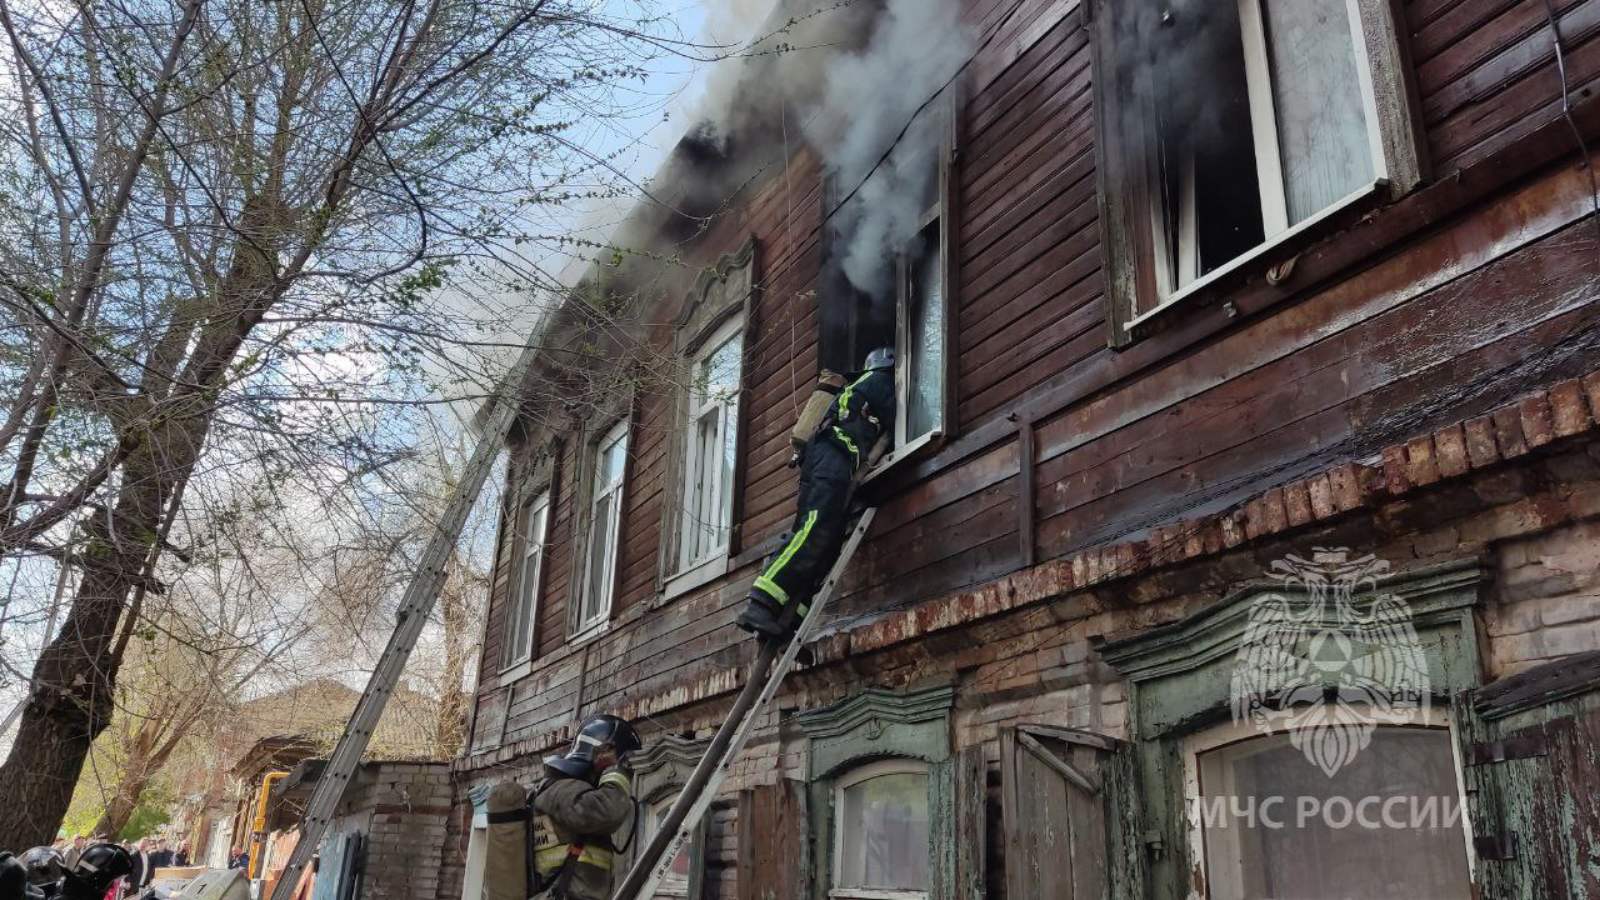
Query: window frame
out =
(541, 498)
(1179, 683)
(654, 811)
(1228, 734)
(896, 765)
(944, 212)
(1139, 286)
(731, 409)
(659, 774)
(720, 303)
(581, 626)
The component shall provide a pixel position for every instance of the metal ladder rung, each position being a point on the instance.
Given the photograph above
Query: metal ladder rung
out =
(690, 807)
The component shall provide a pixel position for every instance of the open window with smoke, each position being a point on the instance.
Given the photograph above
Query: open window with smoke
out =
(1237, 130)
(887, 272)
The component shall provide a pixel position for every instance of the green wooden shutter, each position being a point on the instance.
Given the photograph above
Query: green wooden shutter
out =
(1530, 748)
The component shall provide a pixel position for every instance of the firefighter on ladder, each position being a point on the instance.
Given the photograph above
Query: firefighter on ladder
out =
(585, 798)
(845, 427)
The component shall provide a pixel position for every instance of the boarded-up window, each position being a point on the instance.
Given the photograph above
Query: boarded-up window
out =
(1530, 745)
(1054, 808)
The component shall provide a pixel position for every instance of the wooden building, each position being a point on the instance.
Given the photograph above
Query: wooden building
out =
(1162, 384)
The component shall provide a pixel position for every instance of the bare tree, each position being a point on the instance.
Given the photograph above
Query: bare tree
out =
(224, 225)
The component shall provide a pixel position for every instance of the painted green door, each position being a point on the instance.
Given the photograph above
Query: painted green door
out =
(1531, 764)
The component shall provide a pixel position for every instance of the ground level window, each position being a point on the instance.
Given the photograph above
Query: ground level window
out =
(676, 882)
(1389, 823)
(881, 847)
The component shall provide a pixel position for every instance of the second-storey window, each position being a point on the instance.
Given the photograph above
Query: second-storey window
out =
(525, 605)
(922, 334)
(1231, 126)
(605, 521)
(711, 442)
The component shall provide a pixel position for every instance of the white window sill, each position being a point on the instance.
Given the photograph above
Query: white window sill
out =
(875, 894)
(589, 632)
(900, 454)
(516, 672)
(1249, 257)
(695, 576)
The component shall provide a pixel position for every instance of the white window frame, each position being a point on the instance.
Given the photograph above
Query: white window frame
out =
(1199, 744)
(1171, 286)
(906, 443)
(530, 569)
(728, 411)
(895, 766)
(654, 812)
(600, 615)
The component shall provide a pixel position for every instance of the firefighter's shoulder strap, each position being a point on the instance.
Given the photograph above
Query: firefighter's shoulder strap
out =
(556, 882)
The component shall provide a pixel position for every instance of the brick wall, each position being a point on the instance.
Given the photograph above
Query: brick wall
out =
(402, 809)
(1020, 653)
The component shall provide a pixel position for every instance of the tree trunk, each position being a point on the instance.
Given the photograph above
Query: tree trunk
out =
(450, 730)
(74, 681)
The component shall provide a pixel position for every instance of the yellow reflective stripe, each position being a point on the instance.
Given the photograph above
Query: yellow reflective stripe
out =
(551, 858)
(773, 590)
(618, 779)
(765, 582)
(844, 395)
(848, 444)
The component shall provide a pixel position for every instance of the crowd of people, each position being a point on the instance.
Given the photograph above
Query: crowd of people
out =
(147, 855)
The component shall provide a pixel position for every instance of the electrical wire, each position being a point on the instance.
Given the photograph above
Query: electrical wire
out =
(1558, 45)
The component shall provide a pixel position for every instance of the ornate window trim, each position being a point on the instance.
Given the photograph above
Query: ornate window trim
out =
(539, 475)
(723, 295)
(1180, 682)
(618, 412)
(659, 773)
(871, 727)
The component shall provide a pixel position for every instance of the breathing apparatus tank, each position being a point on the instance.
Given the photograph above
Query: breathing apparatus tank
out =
(829, 384)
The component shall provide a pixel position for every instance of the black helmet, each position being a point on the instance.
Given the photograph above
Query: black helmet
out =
(881, 358)
(597, 733)
(98, 866)
(13, 878)
(45, 866)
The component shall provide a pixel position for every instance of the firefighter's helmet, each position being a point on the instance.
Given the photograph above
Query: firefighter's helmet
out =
(97, 867)
(881, 358)
(596, 734)
(13, 878)
(45, 866)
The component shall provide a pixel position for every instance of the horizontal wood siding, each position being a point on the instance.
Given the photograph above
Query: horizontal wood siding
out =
(1174, 425)
(1486, 70)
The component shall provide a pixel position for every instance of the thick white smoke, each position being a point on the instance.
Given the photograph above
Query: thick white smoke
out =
(868, 97)
(849, 98)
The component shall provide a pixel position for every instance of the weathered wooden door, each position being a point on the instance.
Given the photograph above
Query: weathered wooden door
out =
(1531, 754)
(1058, 788)
(772, 837)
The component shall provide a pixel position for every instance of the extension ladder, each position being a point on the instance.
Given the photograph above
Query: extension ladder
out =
(655, 860)
(421, 593)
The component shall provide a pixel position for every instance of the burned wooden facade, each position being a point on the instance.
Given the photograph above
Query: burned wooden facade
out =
(1025, 688)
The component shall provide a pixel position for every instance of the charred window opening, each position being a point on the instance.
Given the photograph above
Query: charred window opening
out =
(1231, 127)
(886, 278)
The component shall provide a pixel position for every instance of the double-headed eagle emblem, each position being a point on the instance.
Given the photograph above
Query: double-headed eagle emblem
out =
(1329, 658)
